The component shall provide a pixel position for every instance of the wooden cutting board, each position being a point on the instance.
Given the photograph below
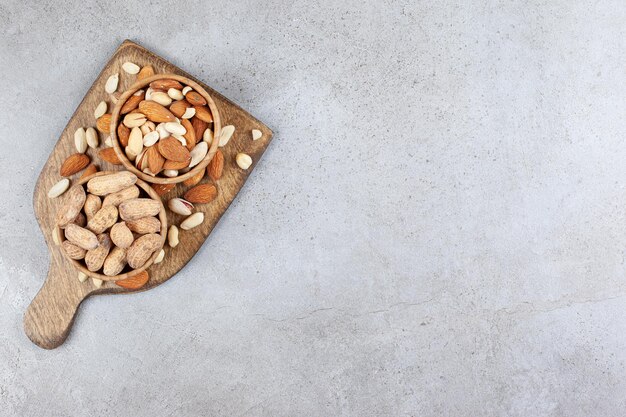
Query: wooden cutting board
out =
(49, 317)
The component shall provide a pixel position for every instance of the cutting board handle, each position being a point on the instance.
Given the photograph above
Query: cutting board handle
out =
(50, 315)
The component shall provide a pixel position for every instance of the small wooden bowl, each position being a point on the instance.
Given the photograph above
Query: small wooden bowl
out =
(162, 217)
(115, 116)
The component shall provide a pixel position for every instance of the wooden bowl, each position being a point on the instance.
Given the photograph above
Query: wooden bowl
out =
(162, 217)
(115, 116)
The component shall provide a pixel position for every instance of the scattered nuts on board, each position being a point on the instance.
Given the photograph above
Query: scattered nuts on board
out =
(256, 134)
(243, 160)
(107, 243)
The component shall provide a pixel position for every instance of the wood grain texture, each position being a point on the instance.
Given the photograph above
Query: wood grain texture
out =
(49, 317)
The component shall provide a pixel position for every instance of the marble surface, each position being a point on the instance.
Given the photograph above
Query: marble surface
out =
(436, 230)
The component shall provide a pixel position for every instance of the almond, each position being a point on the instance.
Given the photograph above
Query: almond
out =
(142, 248)
(165, 84)
(191, 181)
(190, 135)
(189, 113)
(103, 219)
(226, 134)
(256, 134)
(155, 160)
(81, 237)
(111, 183)
(216, 167)
(176, 165)
(73, 164)
(90, 170)
(104, 123)
(130, 68)
(161, 98)
(97, 282)
(72, 205)
(243, 160)
(133, 102)
(203, 113)
(134, 282)
(203, 193)
(150, 138)
(111, 84)
(144, 225)
(162, 189)
(109, 155)
(195, 99)
(170, 173)
(118, 197)
(135, 141)
(73, 251)
(92, 137)
(115, 261)
(58, 188)
(178, 108)
(145, 72)
(123, 133)
(192, 221)
(80, 140)
(101, 108)
(82, 277)
(136, 208)
(156, 112)
(175, 94)
(199, 126)
(134, 119)
(207, 136)
(94, 259)
(198, 153)
(121, 235)
(175, 128)
(171, 149)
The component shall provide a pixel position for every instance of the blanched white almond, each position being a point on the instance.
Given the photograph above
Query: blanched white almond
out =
(134, 120)
(82, 277)
(135, 141)
(130, 68)
(226, 134)
(243, 160)
(172, 236)
(147, 127)
(198, 153)
(108, 142)
(207, 136)
(170, 173)
(92, 137)
(192, 221)
(162, 98)
(159, 257)
(111, 85)
(130, 154)
(58, 188)
(151, 138)
(175, 128)
(180, 138)
(149, 92)
(256, 134)
(80, 140)
(163, 133)
(189, 113)
(100, 110)
(180, 206)
(96, 282)
(175, 94)
(186, 89)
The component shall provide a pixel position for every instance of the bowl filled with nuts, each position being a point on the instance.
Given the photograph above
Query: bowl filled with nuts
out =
(111, 226)
(162, 129)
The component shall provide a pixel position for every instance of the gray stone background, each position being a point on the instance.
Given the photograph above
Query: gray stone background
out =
(436, 230)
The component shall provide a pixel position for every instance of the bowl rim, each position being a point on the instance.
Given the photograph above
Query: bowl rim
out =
(128, 165)
(162, 217)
